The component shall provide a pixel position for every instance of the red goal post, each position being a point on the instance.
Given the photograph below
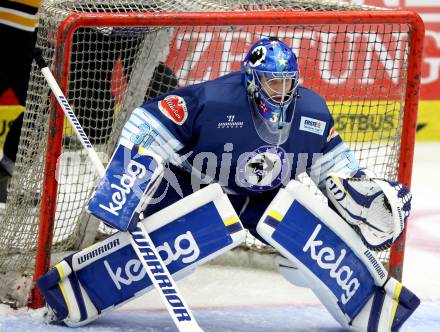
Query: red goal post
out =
(65, 50)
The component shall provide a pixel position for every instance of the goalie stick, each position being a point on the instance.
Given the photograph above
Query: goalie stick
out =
(140, 239)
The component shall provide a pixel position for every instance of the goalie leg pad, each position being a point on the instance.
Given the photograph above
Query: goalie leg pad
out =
(332, 259)
(187, 233)
(65, 295)
(291, 272)
(388, 308)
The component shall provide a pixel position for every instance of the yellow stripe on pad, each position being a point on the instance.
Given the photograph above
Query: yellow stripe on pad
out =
(60, 283)
(274, 214)
(60, 271)
(396, 302)
(231, 220)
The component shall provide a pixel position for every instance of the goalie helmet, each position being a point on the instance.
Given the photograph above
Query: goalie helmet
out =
(271, 76)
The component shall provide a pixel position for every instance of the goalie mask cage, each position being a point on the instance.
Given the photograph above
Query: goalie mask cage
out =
(110, 56)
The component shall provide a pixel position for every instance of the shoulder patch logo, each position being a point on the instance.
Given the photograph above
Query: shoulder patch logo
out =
(311, 125)
(332, 134)
(174, 108)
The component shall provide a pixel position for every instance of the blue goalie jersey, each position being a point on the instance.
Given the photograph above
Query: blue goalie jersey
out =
(207, 133)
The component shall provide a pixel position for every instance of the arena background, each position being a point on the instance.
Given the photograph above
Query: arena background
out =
(428, 127)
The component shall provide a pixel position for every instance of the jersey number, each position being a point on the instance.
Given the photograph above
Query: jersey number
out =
(274, 117)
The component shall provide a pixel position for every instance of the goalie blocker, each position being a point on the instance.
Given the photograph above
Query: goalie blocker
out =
(129, 182)
(325, 254)
(188, 233)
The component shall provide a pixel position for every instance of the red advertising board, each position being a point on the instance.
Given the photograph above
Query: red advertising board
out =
(341, 66)
(429, 10)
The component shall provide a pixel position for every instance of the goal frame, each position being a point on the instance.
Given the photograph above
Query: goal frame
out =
(74, 21)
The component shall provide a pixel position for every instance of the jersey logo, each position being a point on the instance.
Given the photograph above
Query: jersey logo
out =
(174, 108)
(230, 123)
(312, 125)
(263, 169)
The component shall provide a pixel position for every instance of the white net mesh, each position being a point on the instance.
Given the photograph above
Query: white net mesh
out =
(360, 69)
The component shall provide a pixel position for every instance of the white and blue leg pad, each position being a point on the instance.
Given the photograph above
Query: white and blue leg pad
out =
(188, 233)
(130, 180)
(328, 256)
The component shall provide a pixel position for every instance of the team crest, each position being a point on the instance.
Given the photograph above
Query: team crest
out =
(263, 169)
(174, 108)
(258, 56)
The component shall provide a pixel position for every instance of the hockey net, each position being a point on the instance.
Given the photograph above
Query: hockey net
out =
(110, 56)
